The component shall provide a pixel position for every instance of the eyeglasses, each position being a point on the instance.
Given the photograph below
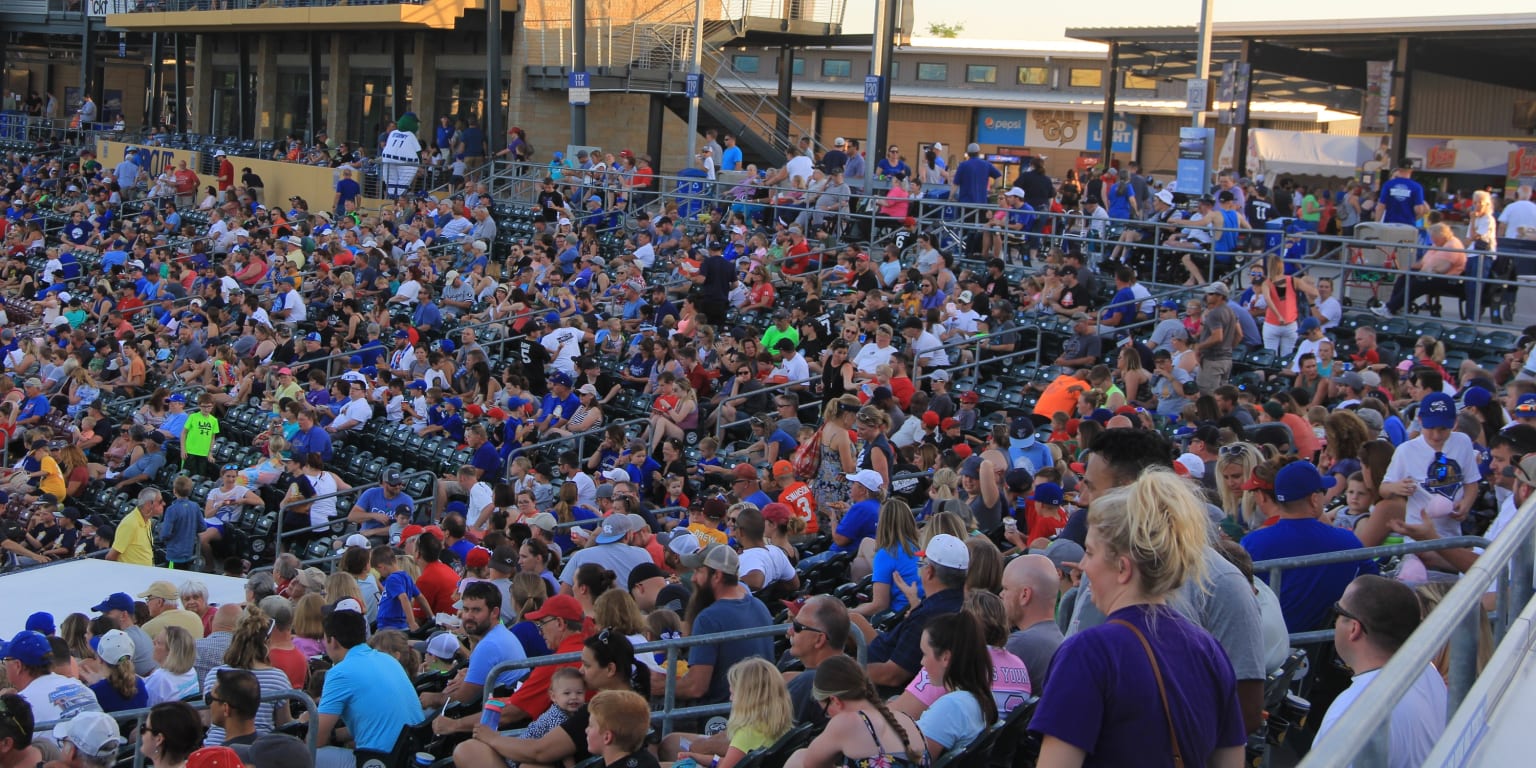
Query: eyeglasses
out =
(798, 628)
(1235, 450)
(1340, 610)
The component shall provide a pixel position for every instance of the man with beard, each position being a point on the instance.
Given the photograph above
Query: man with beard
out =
(720, 603)
(491, 643)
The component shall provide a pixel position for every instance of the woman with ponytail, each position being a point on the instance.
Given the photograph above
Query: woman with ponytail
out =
(861, 731)
(955, 654)
(1148, 686)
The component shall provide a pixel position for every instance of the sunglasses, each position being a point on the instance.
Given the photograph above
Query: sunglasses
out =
(1234, 450)
(1339, 610)
(798, 628)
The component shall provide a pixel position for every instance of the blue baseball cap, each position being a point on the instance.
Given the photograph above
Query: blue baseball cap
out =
(1048, 493)
(369, 370)
(28, 647)
(1437, 411)
(42, 621)
(456, 506)
(445, 346)
(312, 336)
(117, 601)
(177, 398)
(1307, 324)
(560, 377)
(1300, 479)
(455, 402)
(1170, 304)
(402, 335)
(552, 318)
(417, 384)
(1475, 397)
(355, 360)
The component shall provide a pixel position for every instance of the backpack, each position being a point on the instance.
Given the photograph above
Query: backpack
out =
(807, 457)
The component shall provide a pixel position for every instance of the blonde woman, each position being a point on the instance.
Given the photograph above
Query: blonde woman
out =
(616, 610)
(675, 411)
(838, 458)
(111, 676)
(175, 679)
(1234, 466)
(1144, 542)
(761, 712)
(248, 651)
(891, 556)
(308, 624)
(1482, 236)
(944, 522)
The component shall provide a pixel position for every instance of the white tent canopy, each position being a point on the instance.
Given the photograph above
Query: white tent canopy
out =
(77, 585)
(1274, 152)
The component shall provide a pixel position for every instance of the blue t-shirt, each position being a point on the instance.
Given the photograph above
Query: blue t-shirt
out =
(760, 498)
(1123, 307)
(488, 462)
(858, 523)
(1117, 198)
(316, 440)
(722, 616)
(563, 536)
(973, 177)
(112, 701)
(893, 560)
(787, 444)
(1307, 594)
(372, 694)
(347, 190)
(499, 645)
(391, 616)
(730, 159)
(34, 406)
(1398, 199)
(374, 500)
(532, 640)
(953, 720)
(179, 528)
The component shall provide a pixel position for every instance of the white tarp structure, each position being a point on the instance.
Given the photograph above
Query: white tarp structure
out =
(77, 585)
(1272, 152)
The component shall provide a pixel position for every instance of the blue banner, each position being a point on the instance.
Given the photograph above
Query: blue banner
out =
(1000, 126)
(1125, 132)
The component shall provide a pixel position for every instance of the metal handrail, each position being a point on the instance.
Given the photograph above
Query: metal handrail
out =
(138, 716)
(1359, 736)
(669, 711)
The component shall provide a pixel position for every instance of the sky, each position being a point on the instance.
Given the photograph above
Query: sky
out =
(986, 19)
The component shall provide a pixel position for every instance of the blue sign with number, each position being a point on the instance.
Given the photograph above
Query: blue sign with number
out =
(694, 85)
(872, 88)
(581, 80)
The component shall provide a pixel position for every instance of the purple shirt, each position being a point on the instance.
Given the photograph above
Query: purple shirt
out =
(1101, 696)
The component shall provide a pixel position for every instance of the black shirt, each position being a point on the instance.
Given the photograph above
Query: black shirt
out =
(718, 276)
(550, 204)
(533, 358)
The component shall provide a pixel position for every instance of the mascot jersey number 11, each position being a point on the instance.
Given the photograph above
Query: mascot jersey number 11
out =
(402, 155)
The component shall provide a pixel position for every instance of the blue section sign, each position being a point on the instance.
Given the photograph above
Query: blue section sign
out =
(694, 85)
(1000, 126)
(872, 89)
(580, 80)
(1125, 132)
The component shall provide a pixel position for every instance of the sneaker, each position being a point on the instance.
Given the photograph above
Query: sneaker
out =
(1381, 310)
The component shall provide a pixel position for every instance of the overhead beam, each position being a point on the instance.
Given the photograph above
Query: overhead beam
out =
(1307, 65)
(1479, 66)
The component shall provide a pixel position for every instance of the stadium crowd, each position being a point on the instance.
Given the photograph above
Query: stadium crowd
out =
(784, 424)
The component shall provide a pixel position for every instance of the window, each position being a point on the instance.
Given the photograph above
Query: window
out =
(980, 73)
(1137, 82)
(797, 69)
(836, 68)
(1034, 75)
(744, 64)
(895, 71)
(933, 72)
(1086, 78)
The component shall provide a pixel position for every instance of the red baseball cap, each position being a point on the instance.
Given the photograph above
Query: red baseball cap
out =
(963, 451)
(947, 423)
(777, 513)
(745, 471)
(410, 532)
(1076, 466)
(479, 557)
(931, 419)
(474, 409)
(1253, 483)
(497, 414)
(970, 397)
(558, 607)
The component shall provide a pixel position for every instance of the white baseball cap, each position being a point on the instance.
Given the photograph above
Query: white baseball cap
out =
(444, 646)
(357, 540)
(868, 478)
(113, 646)
(948, 551)
(94, 734)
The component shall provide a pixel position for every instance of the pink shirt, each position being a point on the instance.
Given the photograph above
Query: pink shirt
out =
(1010, 683)
(1437, 261)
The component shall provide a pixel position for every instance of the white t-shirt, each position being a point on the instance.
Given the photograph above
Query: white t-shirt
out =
(409, 290)
(872, 356)
(480, 497)
(1413, 459)
(1519, 219)
(1418, 720)
(56, 697)
(1143, 299)
(323, 510)
(930, 352)
(166, 686)
(800, 167)
(293, 302)
(645, 255)
(564, 345)
(795, 369)
(1332, 311)
(359, 410)
(771, 561)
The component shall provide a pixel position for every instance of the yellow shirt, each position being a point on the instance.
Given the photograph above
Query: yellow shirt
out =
(708, 534)
(53, 479)
(133, 542)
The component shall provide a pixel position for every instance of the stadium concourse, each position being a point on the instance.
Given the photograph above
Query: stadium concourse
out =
(957, 451)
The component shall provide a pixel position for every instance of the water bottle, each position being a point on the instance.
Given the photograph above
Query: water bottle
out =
(490, 716)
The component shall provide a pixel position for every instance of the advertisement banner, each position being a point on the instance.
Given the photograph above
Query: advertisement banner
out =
(1375, 114)
(1001, 126)
(1057, 129)
(1195, 146)
(1125, 133)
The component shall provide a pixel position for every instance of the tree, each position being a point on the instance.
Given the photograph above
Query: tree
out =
(940, 29)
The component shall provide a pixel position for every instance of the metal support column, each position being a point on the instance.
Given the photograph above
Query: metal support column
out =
(579, 64)
(879, 115)
(1402, 94)
(1203, 62)
(655, 126)
(87, 63)
(314, 88)
(1244, 87)
(397, 100)
(244, 117)
(1111, 88)
(786, 94)
(179, 54)
(156, 88)
(696, 68)
(494, 118)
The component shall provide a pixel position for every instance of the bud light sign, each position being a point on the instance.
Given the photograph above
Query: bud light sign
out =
(1125, 132)
(1000, 126)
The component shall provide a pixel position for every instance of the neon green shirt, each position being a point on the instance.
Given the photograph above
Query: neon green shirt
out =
(197, 437)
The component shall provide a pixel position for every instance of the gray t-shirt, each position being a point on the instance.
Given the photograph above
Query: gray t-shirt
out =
(1223, 318)
(617, 557)
(1224, 605)
(1035, 647)
(143, 651)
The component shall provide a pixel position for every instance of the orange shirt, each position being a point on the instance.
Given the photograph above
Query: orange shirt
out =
(799, 497)
(1061, 396)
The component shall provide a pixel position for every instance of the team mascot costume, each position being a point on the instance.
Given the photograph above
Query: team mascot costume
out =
(402, 155)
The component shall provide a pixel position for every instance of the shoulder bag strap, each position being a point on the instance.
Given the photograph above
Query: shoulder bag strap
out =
(1162, 690)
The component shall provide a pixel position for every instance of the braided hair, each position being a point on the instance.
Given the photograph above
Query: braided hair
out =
(842, 677)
